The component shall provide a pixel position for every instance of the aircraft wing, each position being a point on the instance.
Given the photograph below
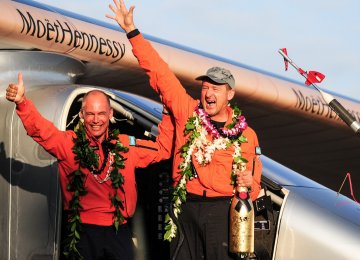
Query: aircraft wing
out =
(294, 124)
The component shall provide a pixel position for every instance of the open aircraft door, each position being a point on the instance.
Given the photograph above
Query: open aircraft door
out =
(30, 196)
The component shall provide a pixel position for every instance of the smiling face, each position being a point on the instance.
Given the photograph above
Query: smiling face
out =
(96, 112)
(215, 98)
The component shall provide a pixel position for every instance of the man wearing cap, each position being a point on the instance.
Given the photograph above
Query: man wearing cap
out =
(212, 140)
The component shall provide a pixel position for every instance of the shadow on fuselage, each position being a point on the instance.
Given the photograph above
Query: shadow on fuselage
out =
(30, 202)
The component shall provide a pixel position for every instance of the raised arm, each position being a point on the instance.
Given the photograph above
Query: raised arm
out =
(162, 79)
(37, 127)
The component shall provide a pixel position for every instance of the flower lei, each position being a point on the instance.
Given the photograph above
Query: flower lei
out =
(87, 158)
(197, 128)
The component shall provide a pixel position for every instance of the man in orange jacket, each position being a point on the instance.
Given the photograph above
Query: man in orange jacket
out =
(96, 172)
(213, 144)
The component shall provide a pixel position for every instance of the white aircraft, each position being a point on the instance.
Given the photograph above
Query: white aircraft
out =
(63, 55)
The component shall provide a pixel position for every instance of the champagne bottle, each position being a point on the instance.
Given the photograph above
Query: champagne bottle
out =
(242, 224)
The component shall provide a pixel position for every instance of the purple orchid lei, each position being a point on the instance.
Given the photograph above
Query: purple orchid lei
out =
(233, 132)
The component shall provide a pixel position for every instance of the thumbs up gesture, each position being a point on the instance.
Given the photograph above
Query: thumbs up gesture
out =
(16, 92)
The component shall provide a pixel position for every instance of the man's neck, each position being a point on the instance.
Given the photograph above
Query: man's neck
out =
(220, 117)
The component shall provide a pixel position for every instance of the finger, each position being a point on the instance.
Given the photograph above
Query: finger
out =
(122, 4)
(10, 96)
(20, 79)
(110, 16)
(113, 9)
(12, 88)
(117, 4)
(131, 10)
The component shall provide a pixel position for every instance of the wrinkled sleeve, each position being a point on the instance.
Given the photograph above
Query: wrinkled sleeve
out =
(148, 152)
(162, 79)
(42, 130)
(254, 161)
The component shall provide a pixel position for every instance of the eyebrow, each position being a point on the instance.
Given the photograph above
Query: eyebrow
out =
(89, 112)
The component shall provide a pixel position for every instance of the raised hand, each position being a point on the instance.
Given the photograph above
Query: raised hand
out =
(123, 16)
(16, 92)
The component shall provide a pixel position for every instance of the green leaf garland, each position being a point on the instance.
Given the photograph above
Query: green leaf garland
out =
(87, 158)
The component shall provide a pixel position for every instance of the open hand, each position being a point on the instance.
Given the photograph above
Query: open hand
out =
(122, 16)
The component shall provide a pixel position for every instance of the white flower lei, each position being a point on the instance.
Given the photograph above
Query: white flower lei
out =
(199, 127)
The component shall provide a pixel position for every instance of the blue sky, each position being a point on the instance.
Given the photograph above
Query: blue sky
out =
(319, 35)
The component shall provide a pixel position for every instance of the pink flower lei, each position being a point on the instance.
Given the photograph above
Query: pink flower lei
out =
(231, 133)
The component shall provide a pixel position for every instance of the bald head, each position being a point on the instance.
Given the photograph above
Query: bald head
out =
(97, 94)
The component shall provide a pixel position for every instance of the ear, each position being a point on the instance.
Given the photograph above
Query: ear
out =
(111, 113)
(81, 116)
(231, 94)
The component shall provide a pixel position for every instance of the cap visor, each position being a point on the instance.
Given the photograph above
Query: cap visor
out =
(212, 80)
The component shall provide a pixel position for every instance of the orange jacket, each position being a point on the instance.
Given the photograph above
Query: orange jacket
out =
(97, 207)
(214, 178)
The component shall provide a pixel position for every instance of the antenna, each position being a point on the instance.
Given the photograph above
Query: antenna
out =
(313, 77)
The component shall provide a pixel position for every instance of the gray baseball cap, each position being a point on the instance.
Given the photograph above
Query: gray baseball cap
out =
(219, 75)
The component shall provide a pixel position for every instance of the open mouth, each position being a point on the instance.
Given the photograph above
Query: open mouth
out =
(210, 103)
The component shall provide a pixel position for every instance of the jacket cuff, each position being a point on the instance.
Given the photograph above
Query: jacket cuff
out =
(133, 33)
(22, 105)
